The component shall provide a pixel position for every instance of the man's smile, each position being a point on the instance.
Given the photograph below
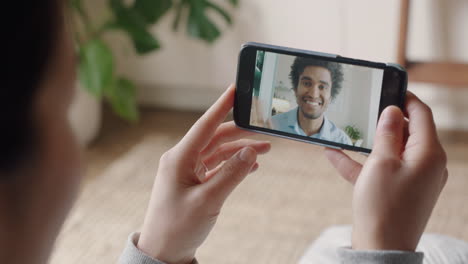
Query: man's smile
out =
(312, 102)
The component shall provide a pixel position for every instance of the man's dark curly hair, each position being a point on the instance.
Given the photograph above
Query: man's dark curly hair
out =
(336, 72)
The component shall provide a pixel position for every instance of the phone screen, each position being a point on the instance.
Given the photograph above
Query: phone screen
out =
(318, 98)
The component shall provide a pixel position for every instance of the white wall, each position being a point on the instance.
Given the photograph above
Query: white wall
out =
(282, 79)
(267, 84)
(190, 74)
(355, 103)
(197, 68)
(439, 32)
(374, 105)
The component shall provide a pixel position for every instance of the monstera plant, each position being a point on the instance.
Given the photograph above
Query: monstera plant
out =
(96, 70)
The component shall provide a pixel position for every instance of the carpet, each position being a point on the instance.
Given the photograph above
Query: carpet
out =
(272, 217)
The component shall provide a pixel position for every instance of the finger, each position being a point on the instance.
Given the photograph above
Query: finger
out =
(201, 132)
(444, 179)
(231, 173)
(224, 133)
(254, 168)
(225, 151)
(346, 167)
(421, 122)
(389, 136)
(422, 134)
(214, 171)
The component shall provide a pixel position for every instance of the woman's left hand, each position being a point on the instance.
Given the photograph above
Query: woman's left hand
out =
(192, 184)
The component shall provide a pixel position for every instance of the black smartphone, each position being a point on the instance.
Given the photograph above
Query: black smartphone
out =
(314, 97)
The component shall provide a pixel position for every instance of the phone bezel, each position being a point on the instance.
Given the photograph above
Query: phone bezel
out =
(393, 88)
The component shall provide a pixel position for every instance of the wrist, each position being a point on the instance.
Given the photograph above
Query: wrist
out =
(382, 239)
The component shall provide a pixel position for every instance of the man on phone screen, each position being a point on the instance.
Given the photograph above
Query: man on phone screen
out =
(315, 83)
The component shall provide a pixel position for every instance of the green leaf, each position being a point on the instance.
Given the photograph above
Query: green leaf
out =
(234, 2)
(152, 10)
(122, 97)
(199, 25)
(96, 66)
(220, 11)
(134, 24)
(76, 4)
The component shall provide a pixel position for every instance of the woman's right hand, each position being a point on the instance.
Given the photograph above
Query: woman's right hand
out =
(399, 184)
(194, 179)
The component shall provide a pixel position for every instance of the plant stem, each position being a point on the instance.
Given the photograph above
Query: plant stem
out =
(179, 6)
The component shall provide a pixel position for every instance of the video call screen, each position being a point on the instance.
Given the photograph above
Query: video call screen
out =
(316, 98)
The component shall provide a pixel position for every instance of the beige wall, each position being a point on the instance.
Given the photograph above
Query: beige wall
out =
(439, 32)
(187, 74)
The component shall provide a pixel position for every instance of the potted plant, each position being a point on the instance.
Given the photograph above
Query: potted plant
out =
(96, 68)
(353, 133)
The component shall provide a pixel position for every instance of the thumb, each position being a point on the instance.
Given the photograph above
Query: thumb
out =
(231, 174)
(389, 135)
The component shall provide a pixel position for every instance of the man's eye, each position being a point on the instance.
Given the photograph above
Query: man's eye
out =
(321, 87)
(307, 84)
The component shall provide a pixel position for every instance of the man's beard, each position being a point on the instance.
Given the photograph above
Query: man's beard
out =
(311, 116)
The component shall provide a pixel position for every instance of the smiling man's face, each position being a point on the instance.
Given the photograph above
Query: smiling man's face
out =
(313, 93)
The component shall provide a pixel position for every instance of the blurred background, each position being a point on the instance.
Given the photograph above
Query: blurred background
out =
(163, 79)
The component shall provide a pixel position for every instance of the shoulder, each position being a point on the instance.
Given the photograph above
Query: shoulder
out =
(285, 120)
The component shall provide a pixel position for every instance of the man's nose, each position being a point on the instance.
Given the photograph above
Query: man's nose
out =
(314, 91)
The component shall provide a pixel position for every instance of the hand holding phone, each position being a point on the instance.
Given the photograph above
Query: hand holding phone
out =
(314, 97)
(399, 184)
(194, 179)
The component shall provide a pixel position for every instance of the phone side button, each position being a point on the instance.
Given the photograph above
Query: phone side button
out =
(244, 86)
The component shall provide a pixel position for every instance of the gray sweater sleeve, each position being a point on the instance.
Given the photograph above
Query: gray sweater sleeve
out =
(349, 256)
(132, 255)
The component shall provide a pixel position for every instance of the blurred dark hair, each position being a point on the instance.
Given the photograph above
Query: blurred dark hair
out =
(30, 28)
(335, 69)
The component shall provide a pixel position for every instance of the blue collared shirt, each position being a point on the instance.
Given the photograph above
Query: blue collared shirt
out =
(287, 122)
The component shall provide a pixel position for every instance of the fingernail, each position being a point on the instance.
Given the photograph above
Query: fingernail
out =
(247, 155)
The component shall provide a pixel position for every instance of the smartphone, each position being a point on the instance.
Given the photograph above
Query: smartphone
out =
(315, 97)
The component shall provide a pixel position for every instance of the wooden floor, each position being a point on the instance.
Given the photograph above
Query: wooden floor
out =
(117, 136)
